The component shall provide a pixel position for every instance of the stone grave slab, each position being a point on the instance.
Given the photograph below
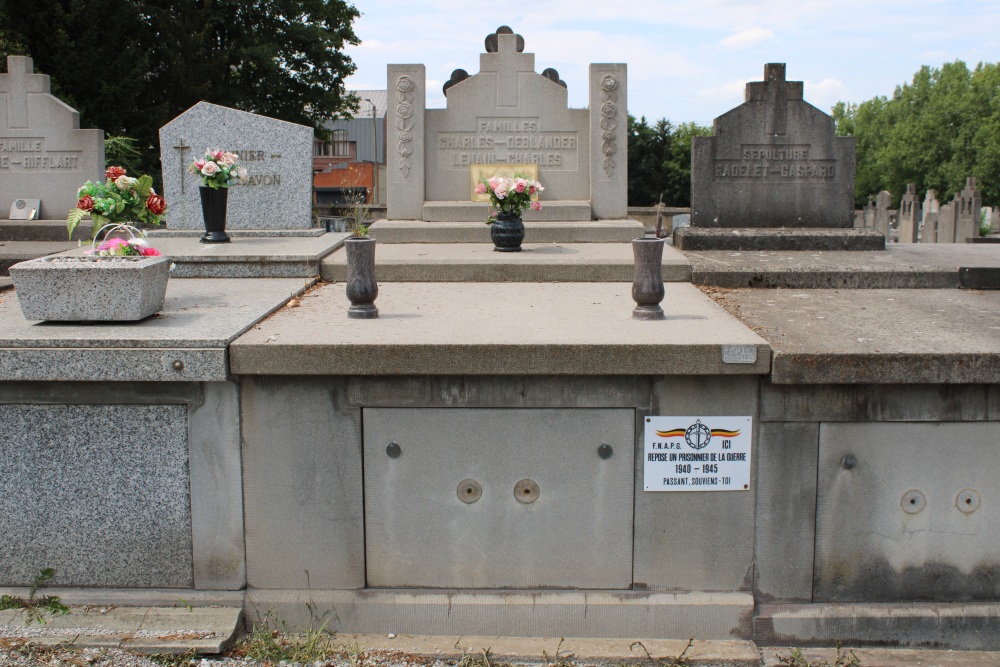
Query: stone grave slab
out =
(501, 329)
(773, 161)
(583, 231)
(277, 155)
(44, 155)
(184, 342)
(752, 238)
(476, 262)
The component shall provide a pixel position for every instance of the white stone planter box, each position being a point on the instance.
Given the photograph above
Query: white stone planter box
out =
(96, 289)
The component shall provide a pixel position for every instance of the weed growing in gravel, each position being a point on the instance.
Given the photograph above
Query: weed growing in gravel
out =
(267, 645)
(35, 608)
(669, 661)
(795, 659)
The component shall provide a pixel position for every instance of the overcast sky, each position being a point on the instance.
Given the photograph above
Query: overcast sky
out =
(687, 61)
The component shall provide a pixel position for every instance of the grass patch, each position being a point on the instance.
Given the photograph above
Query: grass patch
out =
(842, 659)
(35, 609)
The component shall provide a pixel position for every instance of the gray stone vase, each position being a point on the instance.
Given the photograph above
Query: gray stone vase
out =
(91, 289)
(647, 283)
(362, 289)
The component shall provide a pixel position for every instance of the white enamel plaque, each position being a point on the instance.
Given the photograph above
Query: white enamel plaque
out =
(697, 453)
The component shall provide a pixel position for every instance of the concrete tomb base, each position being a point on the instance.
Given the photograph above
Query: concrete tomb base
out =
(748, 238)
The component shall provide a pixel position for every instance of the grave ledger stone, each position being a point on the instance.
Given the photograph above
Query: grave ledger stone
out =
(507, 114)
(44, 154)
(277, 155)
(773, 161)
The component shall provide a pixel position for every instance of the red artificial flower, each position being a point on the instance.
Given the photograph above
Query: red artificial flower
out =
(113, 173)
(156, 205)
(149, 252)
(86, 203)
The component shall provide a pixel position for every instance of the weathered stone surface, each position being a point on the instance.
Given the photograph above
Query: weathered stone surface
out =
(507, 114)
(45, 154)
(773, 161)
(277, 155)
(94, 289)
(100, 493)
(746, 238)
(910, 215)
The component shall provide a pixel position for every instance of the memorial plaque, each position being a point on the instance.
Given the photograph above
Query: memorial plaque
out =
(44, 155)
(481, 172)
(697, 453)
(276, 154)
(774, 161)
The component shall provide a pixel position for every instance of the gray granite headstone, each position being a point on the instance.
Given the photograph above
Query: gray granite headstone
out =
(910, 215)
(43, 152)
(100, 493)
(773, 161)
(277, 155)
(946, 222)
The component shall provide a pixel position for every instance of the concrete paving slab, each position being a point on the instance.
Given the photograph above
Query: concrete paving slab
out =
(519, 650)
(247, 257)
(237, 233)
(469, 211)
(186, 341)
(205, 630)
(6, 283)
(582, 231)
(537, 262)
(874, 336)
(900, 266)
(514, 613)
(783, 238)
(504, 329)
(12, 252)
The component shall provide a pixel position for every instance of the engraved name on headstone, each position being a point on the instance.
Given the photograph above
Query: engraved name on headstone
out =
(774, 161)
(43, 152)
(276, 154)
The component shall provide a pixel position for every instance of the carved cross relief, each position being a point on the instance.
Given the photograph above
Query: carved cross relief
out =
(508, 65)
(16, 85)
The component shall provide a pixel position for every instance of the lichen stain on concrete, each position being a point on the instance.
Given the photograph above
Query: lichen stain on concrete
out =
(869, 579)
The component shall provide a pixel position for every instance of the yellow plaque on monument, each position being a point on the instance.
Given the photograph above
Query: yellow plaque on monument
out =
(480, 172)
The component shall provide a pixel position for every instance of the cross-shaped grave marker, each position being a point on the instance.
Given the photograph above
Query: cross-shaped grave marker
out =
(19, 82)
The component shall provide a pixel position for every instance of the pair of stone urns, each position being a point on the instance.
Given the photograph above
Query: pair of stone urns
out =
(647, 282)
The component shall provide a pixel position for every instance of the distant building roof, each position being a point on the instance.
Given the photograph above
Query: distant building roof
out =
(380, 98)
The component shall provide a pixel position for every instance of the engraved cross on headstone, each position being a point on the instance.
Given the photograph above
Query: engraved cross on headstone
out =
(16, 85)
(508, 65)
(181, 147)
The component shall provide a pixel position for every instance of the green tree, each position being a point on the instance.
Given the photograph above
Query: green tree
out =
(934, 131)
(659, 161)
(130, 66)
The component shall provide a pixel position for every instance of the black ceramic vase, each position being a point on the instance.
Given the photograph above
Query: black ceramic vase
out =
(213, 209)
(362, 290)
(507, 232)
(647, 283)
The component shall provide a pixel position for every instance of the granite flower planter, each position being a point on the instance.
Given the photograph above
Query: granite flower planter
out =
(91, 289)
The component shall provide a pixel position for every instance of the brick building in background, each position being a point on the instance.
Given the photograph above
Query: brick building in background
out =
(354, 157)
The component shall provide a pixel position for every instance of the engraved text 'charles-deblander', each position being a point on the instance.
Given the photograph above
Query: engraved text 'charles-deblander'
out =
(775, 164)
(509, 140)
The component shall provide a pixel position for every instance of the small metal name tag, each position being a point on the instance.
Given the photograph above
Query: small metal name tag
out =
(739, 354)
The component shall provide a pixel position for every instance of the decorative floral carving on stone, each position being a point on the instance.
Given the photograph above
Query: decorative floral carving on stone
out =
(609, 122)
(404, 122)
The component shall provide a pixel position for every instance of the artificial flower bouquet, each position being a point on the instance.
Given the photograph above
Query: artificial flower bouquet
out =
(218, 169)
(510, 195)
(133, 247)
(119, 199)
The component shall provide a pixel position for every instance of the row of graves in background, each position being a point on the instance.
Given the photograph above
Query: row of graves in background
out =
(927, 220)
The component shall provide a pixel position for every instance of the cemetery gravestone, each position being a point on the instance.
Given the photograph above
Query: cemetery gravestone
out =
(968, 203)
(909, 215)
(44, 154)
(507, 114)
(773, 161)
(946, 223)
(277, 155)
(932, 209)
(882, 202)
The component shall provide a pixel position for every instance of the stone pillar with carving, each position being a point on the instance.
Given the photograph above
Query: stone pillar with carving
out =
(608, 142)
(407, 88)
